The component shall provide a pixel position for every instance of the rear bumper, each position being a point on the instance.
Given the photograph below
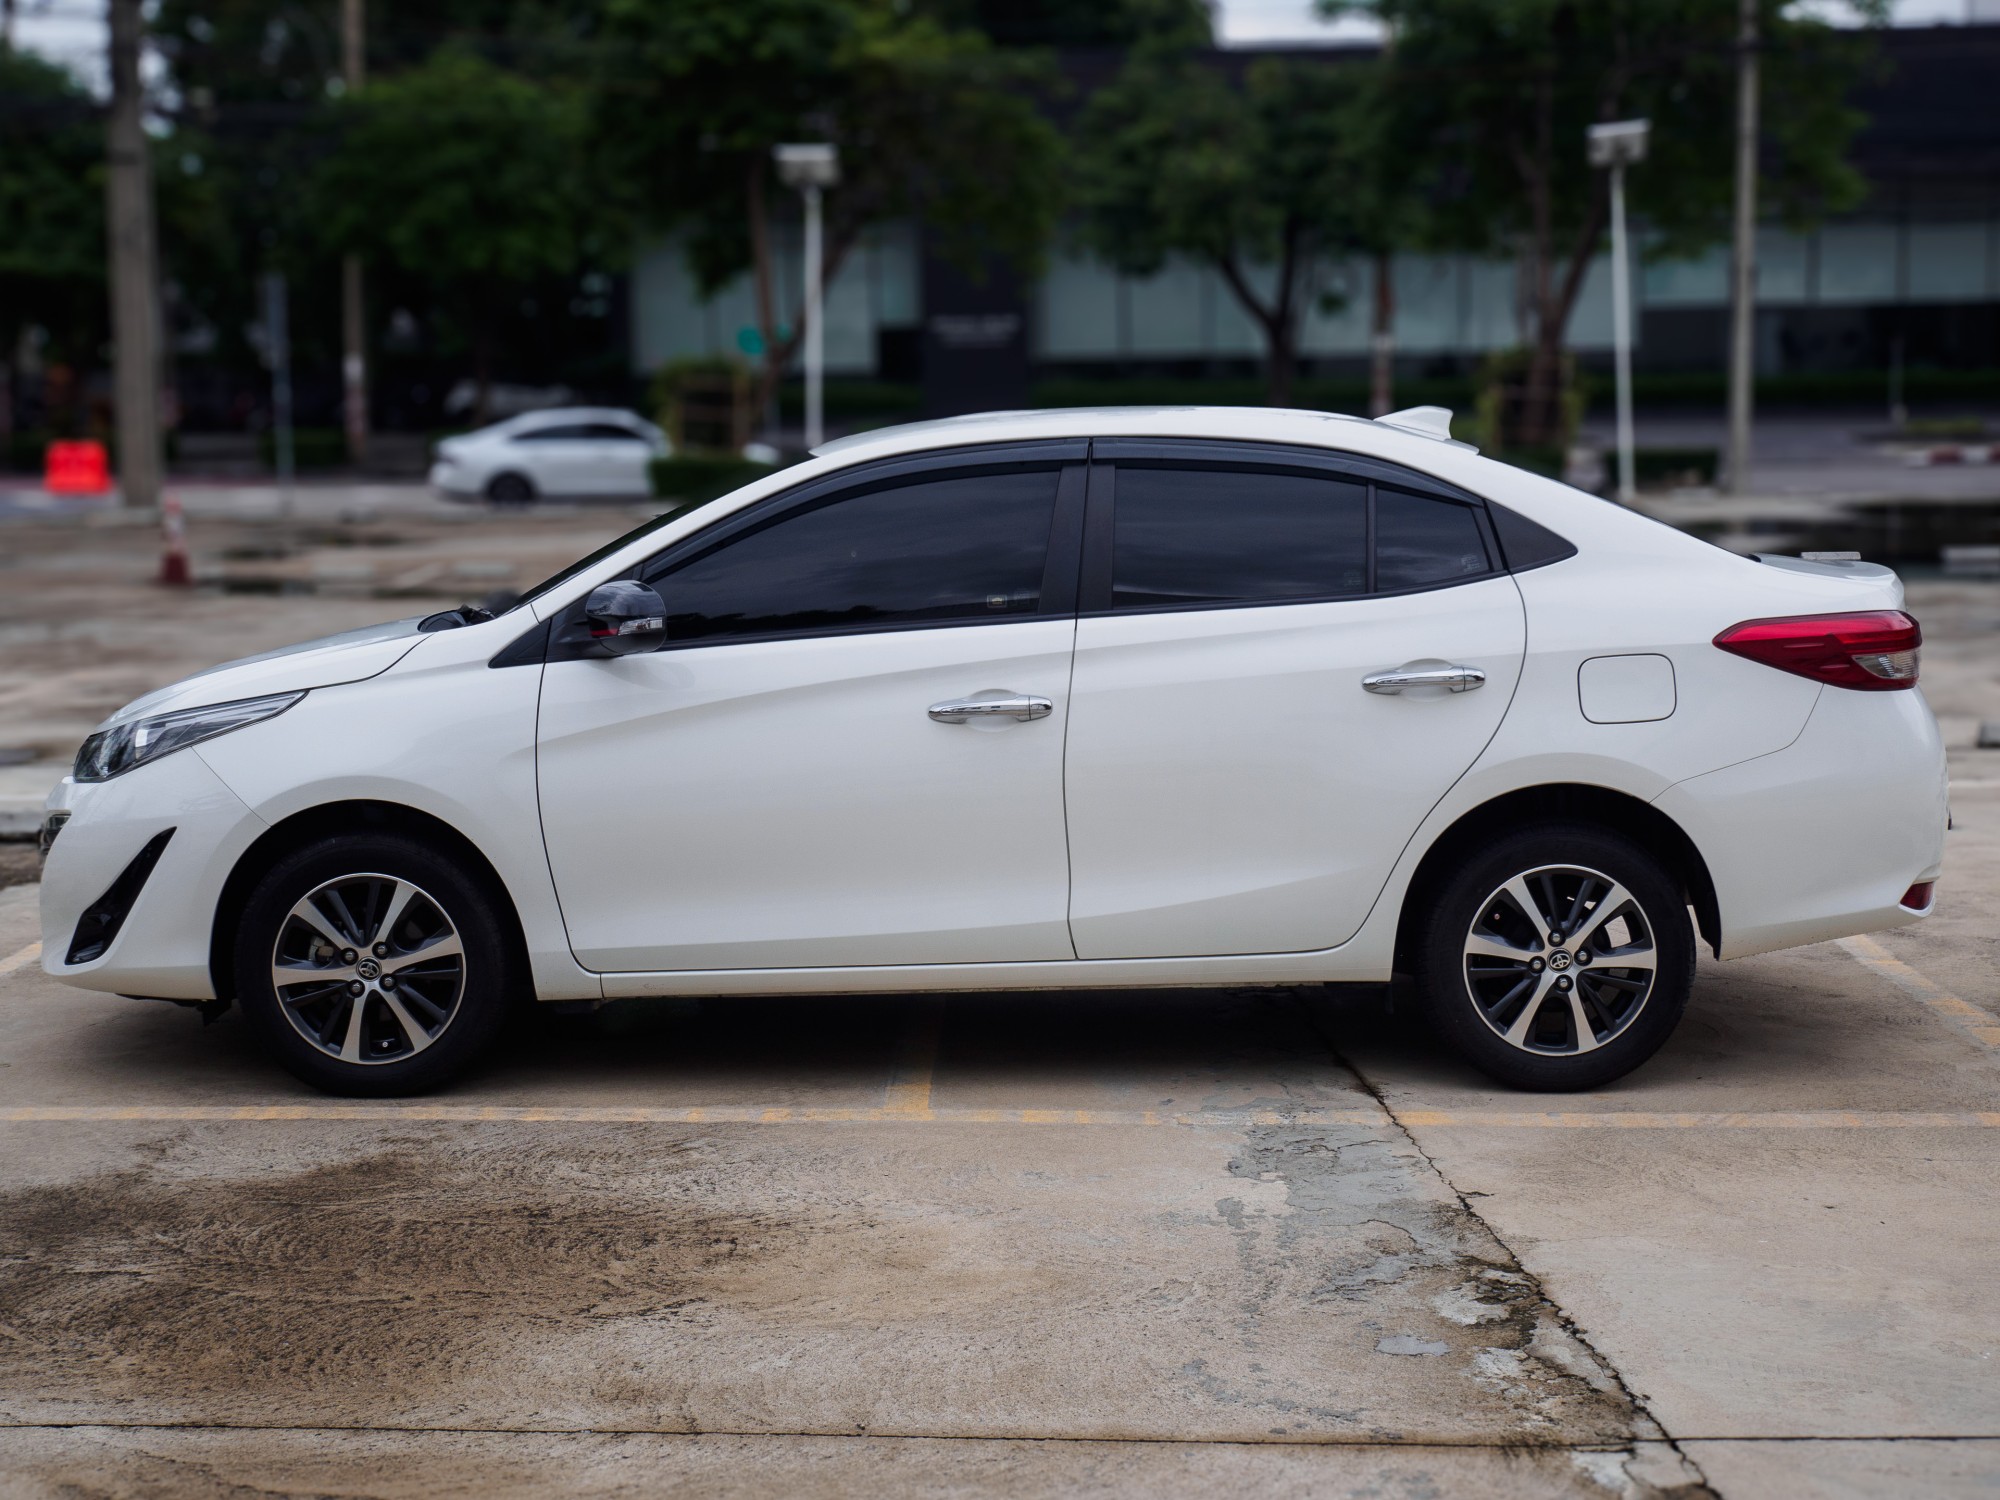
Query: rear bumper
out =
(1823, 838)
(162, 943)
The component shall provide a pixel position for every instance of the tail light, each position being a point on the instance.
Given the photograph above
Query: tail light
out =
(1875, 651)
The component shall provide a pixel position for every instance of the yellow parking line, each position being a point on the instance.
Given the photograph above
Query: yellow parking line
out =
(909, 1090)
(20, 960)
(1220, 1119)
(1982, 1026)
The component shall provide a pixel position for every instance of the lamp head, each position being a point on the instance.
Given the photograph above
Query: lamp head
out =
(808, 164)
(1619, 143)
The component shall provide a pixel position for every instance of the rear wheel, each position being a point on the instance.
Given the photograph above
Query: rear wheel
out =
(510, 489)
(1559, 959)
(372, 965)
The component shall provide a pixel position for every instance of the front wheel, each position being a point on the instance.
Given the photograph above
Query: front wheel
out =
(510, 489)
(372, 965)
(1558, 959)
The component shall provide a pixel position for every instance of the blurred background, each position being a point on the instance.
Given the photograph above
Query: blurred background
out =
(259, 259)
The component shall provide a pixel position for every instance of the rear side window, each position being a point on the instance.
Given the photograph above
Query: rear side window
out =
(960, 547)
(1204, 536)
(1191, 534)
(1421, 542)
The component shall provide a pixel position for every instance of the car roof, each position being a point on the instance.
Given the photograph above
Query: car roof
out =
(562, 415)
(1251, 423)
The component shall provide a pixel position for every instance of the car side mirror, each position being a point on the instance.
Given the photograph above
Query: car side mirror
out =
(626, 618)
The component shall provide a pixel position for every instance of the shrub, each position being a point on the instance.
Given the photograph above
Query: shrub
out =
(697, 480)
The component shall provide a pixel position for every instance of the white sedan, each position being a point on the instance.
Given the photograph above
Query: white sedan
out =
(1028, 701)
(567, 451)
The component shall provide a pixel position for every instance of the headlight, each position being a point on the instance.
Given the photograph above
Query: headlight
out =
(112, 752)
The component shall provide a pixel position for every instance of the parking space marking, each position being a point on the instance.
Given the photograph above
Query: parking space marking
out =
(1982, 1026)
(904, 1114)
(909, 1090)
(20, 960)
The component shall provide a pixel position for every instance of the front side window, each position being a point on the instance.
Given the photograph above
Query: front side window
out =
(553, 435)
(962, 547)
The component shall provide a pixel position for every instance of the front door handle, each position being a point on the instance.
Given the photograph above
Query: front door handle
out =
(1458, 679)
(963, 710)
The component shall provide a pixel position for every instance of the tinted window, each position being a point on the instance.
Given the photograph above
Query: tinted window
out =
(552, 435)
(960, 547)
(609, 432)
(1194, 536)
(1420, 541)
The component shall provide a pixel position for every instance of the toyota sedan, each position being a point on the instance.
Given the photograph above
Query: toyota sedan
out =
(1060, 700)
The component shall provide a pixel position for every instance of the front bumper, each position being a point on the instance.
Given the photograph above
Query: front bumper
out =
(162, 943)
(453, 479)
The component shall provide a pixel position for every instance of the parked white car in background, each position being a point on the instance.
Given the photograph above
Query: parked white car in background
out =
(1036, 700)
(563, 452)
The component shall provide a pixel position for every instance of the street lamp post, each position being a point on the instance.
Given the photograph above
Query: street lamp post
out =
(1617, 145)
(812, 168)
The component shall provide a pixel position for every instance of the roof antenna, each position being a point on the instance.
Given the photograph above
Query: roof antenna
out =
(1425, 421)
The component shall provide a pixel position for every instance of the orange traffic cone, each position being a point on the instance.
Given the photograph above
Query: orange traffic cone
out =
(173, 536)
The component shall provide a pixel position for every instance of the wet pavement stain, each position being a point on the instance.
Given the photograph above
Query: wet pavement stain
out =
(1111, 1284)
(1437, 1282)
(379, 1279)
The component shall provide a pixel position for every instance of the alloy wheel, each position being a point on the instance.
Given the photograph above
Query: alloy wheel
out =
(1560, 960)
(368, 968)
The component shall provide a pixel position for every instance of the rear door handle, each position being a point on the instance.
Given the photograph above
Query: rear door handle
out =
(1458, 679)
(964, 710)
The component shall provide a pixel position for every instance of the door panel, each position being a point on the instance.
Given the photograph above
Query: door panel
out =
(561, 460)
(771, 790)
(788, 803)
(619, 460)
(1231, 786)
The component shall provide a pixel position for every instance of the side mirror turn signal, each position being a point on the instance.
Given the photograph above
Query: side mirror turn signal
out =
(626, 618)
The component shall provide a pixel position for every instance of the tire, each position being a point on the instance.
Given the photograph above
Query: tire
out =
(511, 489)
(1557, 1016)
(422, 940)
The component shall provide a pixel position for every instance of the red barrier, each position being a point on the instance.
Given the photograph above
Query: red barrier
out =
(76, 469)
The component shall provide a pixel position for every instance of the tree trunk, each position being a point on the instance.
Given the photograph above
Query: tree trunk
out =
(778, 352)
(1279, 319)
(1541, 419)
(759, 210)
(1281, 361)
(1382, 343)
(482, 372)
(1531, 407)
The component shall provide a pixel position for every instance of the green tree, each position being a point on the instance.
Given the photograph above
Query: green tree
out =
(51, 214)
(468, 179)
(245, 82)
(1494, 97)
(932, 122)
(1072, 24)
(1264, 178)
